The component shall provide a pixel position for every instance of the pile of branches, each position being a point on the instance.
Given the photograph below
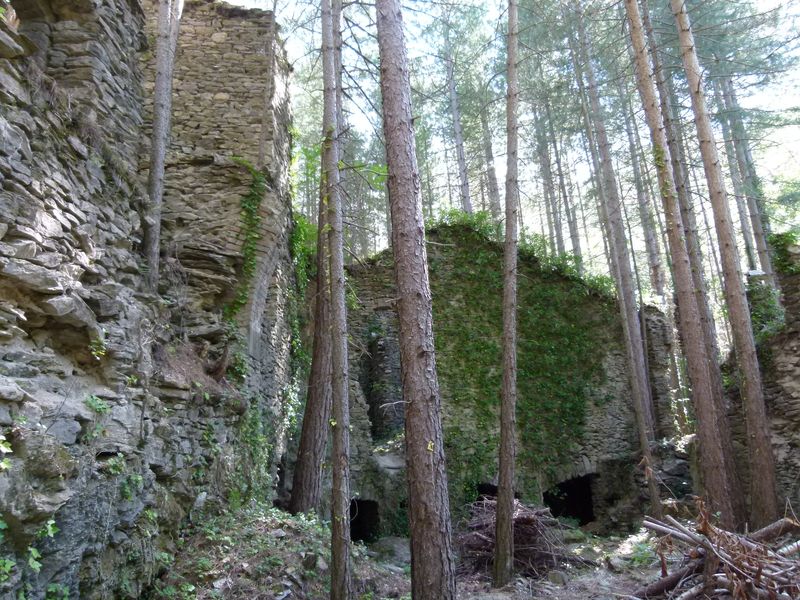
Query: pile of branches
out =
(722, 564)
(537, 540)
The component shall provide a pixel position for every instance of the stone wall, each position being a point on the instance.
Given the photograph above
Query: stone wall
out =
(780, 367)
(605, 443)
(121, 417)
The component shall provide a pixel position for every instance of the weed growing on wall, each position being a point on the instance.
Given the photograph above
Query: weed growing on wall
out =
(782, 259)
(561, 323)
(251, 234)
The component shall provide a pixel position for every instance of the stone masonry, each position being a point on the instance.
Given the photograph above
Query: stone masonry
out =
(119, 416)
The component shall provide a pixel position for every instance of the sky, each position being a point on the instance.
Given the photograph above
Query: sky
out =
(778, 156)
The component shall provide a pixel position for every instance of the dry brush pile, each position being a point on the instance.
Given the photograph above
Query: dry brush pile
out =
(722, 564)
(538, 545)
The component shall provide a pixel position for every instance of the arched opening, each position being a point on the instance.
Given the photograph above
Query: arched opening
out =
(364, 520)
(572, 499)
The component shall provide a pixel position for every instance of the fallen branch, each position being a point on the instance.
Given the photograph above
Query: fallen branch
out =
(742, 566)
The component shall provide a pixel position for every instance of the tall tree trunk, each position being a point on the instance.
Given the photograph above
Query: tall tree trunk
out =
(458, 134)
(504, 526)
(432, 567)
(736, 178)
(763, 497)
(640, 384)
(306, 481)
(168, 26)
(680, 176)
(571, 222)
(590, 149)
(716, 456)
(491, 174)
(341, 586)
(645, 216)
(752, 184)
(556, 236)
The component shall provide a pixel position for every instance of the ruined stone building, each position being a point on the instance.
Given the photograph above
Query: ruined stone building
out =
(124, 414)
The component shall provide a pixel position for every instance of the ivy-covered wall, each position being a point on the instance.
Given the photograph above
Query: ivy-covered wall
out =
(574, 412)
(778, 335)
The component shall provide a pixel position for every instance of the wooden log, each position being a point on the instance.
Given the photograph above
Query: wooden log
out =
(669, 582)
(775, 530)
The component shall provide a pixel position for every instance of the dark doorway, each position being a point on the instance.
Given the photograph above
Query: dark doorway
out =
(486, 490)
(364, 520)
(572, 499)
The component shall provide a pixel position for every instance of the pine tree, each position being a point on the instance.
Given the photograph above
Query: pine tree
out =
(763, 498)
(168, 26)
(504, 534)
(341, 585)
(432, 567)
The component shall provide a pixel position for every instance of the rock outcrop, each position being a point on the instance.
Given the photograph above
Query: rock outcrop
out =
(123, 412)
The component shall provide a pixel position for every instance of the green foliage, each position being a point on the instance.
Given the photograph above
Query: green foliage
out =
(116, 465)
(767, 314)
(302, 244)
(480, 223)
(303, 248)
(98, 347)
(33, 559)
(5, 448)
(164, 559)
(531, 247)
(271, 542)
(3, 527)
(57, 591)
(789, 195)
(782, 259)
(255, 436)
(49, 530)
(97, 405)
(238, 367)
(251, 227)
(132, 483)
(642, 554)
(6, 566)
(561, 325)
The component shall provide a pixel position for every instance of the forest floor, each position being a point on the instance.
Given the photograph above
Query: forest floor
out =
(261, 553)
(622, 564)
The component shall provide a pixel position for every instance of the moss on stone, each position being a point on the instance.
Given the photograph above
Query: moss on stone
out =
(565, 327)
(559, 319)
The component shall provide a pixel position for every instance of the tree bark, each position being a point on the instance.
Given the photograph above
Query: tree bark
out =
(763, 497)
(554, 226)
(572, 223)
(751, 182)
(645, 216)
(640, 384)
(307, 478)
(168, 26)
(458, 134)
(491, 174)
(736, 178)
(504, 524)
(341, 586)
(432, 567)
(680, 176)
(716, 458)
